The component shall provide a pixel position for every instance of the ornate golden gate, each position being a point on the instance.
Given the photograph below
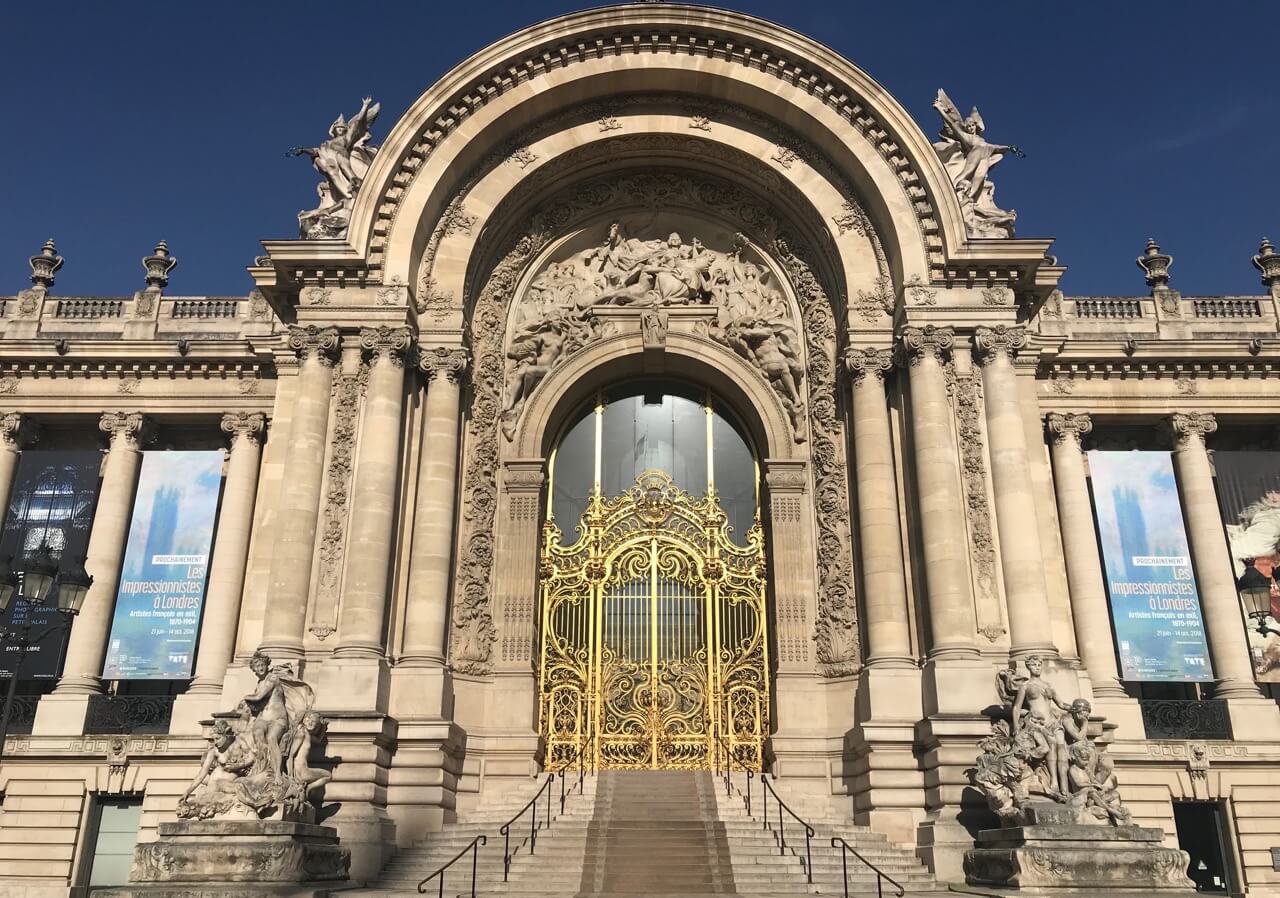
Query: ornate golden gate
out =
(653, 633)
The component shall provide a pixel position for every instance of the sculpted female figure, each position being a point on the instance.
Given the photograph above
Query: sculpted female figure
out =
(1039, 701)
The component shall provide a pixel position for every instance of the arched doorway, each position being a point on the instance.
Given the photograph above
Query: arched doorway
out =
(654, 635)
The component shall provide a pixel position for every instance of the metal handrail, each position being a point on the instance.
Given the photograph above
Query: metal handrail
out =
(728, 772)
(780, 834)
(847, 849)
(580, 759)
(534, 825)
(474, 848)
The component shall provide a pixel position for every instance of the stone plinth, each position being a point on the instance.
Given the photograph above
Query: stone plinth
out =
(1047, 857)
(235, 858)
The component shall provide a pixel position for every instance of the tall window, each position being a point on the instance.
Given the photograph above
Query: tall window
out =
(654, 425)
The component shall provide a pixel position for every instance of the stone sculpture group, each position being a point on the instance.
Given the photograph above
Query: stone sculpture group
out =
(969, 158)
(556, 315)
(1040, 750)
(256, 767)
(343, 160)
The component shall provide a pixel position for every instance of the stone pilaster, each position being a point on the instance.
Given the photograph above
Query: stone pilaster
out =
(295, 535)
(63, 711)
(1219, 601)
(16, 432)
(1021, 561)
(226, 572)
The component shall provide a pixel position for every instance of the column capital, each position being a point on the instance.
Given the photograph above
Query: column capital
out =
(249, 425)
(991, 343)
(1188, 428)
(135, 428)
(786, 476)
(389, 343)
(1068, 427)
(443, 361)
(861, 361)
(18, 431)
(930, 340)
(524, 475)
(312, 341)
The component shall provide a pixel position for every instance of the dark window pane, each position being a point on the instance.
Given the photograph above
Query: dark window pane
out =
(735, 475)
(574, 474)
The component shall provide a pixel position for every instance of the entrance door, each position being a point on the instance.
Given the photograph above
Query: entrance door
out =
(1202, 835)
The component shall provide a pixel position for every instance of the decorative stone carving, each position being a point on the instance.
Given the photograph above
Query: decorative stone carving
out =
(653, 328)
(878, 302)
(1187, 426)
(930, 340)
(158, 265)
(310, 340)
(919, 292)
(248, 425)
(17, 431)
(256, 767)
(446, 361)
(1001, 340)
(343, 160)
(969, 158)
(1155, 265)
(860, 362)
(1267, 261)
(854, 218)
(1071, 426)
(259, 308)
(389, 343)
(135, 428)
(45, 264)
(966, 392)
(348, 387)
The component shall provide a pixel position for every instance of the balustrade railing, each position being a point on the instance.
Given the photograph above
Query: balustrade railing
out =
(87, 309)
(1109, 308)
(474, 848)
(881, 877)
(1185, 719)
(1227, 307)
(780, 833)
(113, 715)
(204, 308)
(534, 825)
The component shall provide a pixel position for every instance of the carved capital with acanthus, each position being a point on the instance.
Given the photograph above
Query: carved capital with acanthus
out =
(443, 361)
(1068, 427)
(992, 343)
(18, 431)
(310, 341)
(929, 341)
(390, 343)
(134, 429)
(1189, 428)
(244, 425)
(861, 361)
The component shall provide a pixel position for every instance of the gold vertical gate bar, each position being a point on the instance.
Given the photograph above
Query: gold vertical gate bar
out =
(654, 640)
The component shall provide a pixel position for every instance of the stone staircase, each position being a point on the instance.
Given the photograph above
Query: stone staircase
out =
(642, 833)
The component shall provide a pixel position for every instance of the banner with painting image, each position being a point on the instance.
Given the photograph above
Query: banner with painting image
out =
(162, 580)
(1155, 605)
(1249, 499)
(52, 503)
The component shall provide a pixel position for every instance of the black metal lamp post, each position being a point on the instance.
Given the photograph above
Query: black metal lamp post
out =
(1255, 590)
(41, 581)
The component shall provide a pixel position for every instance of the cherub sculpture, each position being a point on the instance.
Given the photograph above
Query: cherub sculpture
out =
(343, 160)
(969, 158)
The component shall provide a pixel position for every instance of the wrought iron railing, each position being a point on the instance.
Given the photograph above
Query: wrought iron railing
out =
(534, 825)
(110, 715)
(1185, 719)
(725, 771)
(881, 877)
(780, 833)
(580, 760)
(474, 848)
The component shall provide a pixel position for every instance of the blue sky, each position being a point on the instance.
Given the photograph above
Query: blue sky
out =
(129, 122)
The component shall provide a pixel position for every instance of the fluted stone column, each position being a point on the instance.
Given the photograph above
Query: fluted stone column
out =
(230, 552)
(884, 582)
(941, 506)
(295, 533)
(425, 628)
(16, 432)
(128, 433)
(1021, 562)
(1089, 605)
(1220, 603)
(364, 598)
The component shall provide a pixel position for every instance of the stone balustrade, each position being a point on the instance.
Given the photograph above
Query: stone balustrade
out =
(1108, 307)
(1227, 307)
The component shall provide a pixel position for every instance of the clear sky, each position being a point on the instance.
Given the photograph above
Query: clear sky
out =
(128, 122)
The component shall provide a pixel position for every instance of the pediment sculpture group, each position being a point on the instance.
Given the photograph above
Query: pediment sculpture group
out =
(557, 314)
(1040, 750)
(256, 764)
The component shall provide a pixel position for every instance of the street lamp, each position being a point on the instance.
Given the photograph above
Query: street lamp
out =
(1255, 591)
(41, 580)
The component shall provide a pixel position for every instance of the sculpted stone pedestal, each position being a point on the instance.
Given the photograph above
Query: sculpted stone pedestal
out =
(1052, 854)
(234, 858)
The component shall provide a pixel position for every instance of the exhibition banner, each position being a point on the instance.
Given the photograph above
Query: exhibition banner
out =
(1249, 499)
(52, 503)
(162, 581)
(1155, 606)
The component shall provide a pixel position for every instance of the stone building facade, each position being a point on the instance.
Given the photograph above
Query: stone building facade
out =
(915, 391)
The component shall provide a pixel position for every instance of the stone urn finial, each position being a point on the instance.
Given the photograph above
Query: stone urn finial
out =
(1267, 261)
(158, 265)
(45, 264)
(1155, 264)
